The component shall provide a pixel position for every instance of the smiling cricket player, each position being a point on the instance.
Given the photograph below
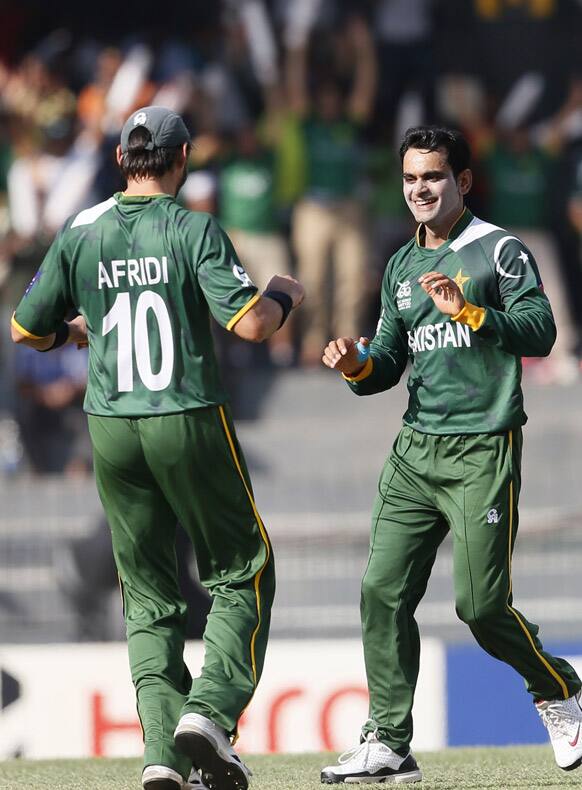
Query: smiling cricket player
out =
(462, 302)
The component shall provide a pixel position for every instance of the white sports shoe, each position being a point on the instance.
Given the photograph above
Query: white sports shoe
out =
(160, 777)
(208, 746)
(372, 761)
(563, 720)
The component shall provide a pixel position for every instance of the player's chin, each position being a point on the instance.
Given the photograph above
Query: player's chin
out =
(425, 213)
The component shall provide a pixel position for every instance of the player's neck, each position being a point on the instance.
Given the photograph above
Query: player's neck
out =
(166, 185)
(435, 236)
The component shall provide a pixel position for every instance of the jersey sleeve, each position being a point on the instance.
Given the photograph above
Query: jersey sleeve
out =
(525, 326)
(388, 350)
(47, 299)
(228, 289)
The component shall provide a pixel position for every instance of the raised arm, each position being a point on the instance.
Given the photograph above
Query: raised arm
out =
(361, 100)
(296, 79)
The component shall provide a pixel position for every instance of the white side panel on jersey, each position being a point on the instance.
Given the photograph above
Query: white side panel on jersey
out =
(476, 229)
(89, 215)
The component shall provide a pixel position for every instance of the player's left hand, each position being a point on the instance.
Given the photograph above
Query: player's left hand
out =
(444, 292)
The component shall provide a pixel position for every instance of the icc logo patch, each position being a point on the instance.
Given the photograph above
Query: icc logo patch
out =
(404, 295)
(140, 119)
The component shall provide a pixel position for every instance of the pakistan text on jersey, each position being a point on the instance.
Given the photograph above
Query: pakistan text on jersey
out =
(431, 336)
(133, 271)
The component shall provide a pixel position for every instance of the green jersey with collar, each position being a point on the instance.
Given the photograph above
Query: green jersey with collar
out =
(146, 274)
(465, 373)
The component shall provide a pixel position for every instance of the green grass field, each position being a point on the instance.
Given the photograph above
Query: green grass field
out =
(525, 767)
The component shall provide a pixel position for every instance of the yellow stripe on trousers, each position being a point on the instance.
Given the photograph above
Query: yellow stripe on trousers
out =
(522, 625)
(263, 535)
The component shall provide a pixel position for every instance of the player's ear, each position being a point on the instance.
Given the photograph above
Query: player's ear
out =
(118, 154)
(465, 181)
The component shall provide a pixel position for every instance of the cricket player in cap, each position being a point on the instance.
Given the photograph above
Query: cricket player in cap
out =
(145, 275)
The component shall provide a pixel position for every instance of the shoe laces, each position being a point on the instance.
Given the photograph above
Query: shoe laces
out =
(361, 750)
(560, 716)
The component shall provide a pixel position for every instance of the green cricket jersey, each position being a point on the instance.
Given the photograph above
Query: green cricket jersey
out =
(465, 374)
(247, 194)
(145, 273)
(332, 158)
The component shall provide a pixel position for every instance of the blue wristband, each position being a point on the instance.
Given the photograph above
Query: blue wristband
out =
(363, 351)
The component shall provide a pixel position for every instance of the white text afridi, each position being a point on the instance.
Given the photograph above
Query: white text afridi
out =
(133, 271)
(428, 337)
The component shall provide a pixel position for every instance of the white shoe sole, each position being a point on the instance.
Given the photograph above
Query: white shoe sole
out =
(160, 777)
(396, 779)
(576, 764)
(218, 769)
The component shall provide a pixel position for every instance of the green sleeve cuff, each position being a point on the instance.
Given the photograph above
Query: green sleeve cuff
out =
(471, 315)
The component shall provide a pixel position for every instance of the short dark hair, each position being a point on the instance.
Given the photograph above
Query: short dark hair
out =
(139, 163)
(431, 138)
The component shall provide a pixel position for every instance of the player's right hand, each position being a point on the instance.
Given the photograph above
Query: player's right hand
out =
(289, 285)
(342, 355)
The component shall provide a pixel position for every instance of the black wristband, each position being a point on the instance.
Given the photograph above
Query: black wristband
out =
(61, 337)
(282, 299)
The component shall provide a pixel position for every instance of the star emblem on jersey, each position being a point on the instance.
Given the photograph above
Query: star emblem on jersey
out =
(523, 257)
(460, 280)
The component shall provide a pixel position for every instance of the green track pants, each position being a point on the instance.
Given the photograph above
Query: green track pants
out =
(430, 485)
(152, 472)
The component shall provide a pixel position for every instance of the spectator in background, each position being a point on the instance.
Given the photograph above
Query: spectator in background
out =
(246, 184)
(43, 111)
(50, 390)
(199, 192)
(404, 35)
(328, 224)
(518, 166)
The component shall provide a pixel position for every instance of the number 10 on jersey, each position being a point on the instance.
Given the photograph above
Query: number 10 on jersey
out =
(137, 338)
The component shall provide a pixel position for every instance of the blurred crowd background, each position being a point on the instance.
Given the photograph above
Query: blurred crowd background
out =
(296, 108)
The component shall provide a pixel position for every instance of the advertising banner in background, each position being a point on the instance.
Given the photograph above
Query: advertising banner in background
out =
(78, 701)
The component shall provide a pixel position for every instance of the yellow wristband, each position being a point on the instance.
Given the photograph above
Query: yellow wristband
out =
(364, 372)
(471, 315)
